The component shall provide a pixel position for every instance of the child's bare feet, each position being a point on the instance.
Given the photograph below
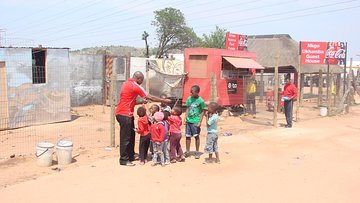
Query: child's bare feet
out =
(163, 165)
(153, 164)
(182, 159)
(142, 163)
(217, 161)
(208, 161)
(173, 161)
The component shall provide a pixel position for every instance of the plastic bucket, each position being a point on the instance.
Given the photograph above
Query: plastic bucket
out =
(44, 152)
(64, 152)
(323, 111)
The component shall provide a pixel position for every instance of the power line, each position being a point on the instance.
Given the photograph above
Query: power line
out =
(38, 11)
(56, 16)
(228, 22)
(249, 24)
(96, 30)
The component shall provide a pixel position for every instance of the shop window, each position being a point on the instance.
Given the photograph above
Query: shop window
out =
(39, 66)
(198, 66)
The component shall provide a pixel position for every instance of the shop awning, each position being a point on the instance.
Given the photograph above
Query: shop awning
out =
(243, 62)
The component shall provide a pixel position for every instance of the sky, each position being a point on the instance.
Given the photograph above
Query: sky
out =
(78, 24)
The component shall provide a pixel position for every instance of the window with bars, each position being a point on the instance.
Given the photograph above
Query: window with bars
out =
(39, 66)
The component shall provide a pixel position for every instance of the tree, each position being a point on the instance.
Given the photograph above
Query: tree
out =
(216, 39)
(172, 31)
(145, 35)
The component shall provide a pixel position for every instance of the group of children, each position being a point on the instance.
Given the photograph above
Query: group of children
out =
(160, 130)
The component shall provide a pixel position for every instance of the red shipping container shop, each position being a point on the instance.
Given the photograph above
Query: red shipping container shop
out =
(221, 74)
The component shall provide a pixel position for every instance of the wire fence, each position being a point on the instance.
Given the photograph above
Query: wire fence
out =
(50, 94)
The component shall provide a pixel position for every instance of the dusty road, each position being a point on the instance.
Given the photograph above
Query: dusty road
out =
(316, 161)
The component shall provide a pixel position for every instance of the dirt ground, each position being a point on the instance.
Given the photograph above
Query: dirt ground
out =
(318, 160)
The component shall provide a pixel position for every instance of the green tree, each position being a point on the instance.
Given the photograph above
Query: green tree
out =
(215, 39)
(172, 31)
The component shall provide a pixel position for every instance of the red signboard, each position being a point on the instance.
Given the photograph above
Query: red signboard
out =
(236, 41)
(232, 41)
(323, 53)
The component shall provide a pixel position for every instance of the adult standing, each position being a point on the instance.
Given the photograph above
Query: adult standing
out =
(251, 93)
(289, 95)
(130, 90)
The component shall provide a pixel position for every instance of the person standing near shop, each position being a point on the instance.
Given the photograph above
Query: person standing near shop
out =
(125, 115)
(289, 95)
(251, 93)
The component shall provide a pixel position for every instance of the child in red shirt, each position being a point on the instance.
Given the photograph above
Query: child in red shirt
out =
(175, 135)
(157, 137)
(144, 131)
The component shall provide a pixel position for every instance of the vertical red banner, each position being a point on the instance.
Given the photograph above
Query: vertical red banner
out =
(232, 41)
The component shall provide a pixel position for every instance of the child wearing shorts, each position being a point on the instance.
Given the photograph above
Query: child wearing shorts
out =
(211, 146)
(193, 118)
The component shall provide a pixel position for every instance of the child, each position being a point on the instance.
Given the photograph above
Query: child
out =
(212, 136)
(166, 138)
(164, 106)
(193, 118)
(153, 109)
(175, 135)
(144, 131)
(157, 136)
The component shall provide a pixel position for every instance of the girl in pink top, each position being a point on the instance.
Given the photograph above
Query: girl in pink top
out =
(175, 135)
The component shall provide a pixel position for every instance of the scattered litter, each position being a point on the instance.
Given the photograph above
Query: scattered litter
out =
(93, 166)
(227, 152)
(227, 134)
(75, 155)
(12, 156)
(56, 169)
(108, 148)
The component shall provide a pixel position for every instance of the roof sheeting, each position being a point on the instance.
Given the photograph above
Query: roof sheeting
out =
(243, 63)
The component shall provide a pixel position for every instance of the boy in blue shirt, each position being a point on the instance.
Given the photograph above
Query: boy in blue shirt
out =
(193, 118)
(211, 146)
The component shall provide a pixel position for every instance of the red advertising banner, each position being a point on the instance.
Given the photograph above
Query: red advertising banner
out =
(242, 42)
(336, 53)
(333, 53)
(236, 41)
(232, 41)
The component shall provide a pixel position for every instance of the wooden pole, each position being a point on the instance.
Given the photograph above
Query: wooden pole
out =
(330, 93)
(112, 106)
(311, 85)
(298, 91)
(338, 86)
(147, 84)
(276, 88)
(261, 86)
(348, 97)
(328, 88)
(320, 92)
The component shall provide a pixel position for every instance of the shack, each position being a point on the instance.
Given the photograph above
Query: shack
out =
(34, 86)
(221, 74)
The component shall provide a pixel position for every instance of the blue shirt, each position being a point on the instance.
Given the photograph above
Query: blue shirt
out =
(212, 123)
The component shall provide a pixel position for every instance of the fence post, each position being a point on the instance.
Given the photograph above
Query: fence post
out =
(112, 106)
(321, 82)
(261, 86)
(276, 88)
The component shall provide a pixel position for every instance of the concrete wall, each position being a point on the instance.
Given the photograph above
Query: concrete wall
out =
(86, 79)
(28, 103)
